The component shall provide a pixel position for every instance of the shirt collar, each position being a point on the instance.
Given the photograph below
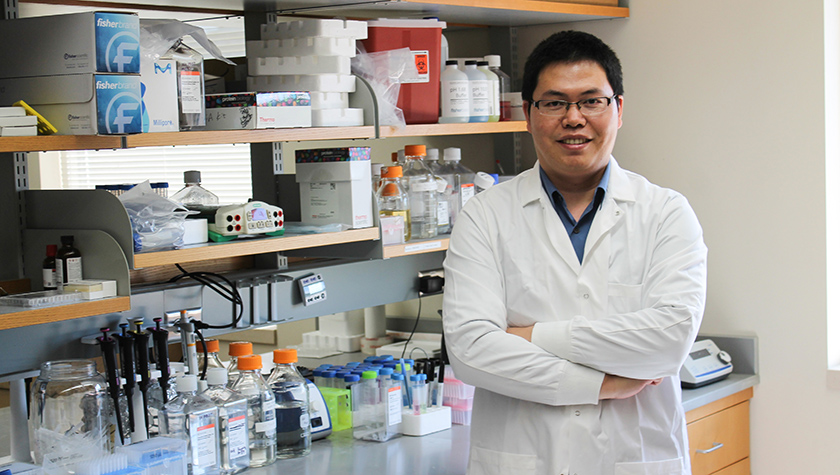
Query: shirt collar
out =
(549, 187)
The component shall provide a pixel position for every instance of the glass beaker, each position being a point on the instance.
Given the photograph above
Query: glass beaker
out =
(71, 410)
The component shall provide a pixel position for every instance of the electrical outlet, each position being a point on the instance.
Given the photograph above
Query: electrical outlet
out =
(430, 282)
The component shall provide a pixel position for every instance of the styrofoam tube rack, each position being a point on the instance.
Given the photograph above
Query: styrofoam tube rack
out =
(309, 46)
(435, 419)
(332, 28)
(303, 82)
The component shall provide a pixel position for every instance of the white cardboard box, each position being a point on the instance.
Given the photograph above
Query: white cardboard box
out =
(81, 104)
(257, 110)
(159, 93)
(335, 192)
(89, 42)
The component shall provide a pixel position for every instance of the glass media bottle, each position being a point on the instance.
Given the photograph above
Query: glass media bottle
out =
(234, 448)
(422, 193)
(291, 398)
(262, 428)
(393, 198)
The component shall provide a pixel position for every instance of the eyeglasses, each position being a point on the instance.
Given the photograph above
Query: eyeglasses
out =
(588, 107)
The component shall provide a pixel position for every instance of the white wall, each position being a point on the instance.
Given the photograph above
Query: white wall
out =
(725, 103)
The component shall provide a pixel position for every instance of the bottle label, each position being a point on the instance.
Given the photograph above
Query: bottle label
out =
(467, 192)
(203, 439)
(50, 279)
(74, 269)
(495, 98)
(443, 213)
(191, 97)
(421, 64)
(455, 98)
(480, 97)
(238, 436)
(59, 272)
(394, 405)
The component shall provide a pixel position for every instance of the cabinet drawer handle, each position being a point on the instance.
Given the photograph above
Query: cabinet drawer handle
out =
(717, 445)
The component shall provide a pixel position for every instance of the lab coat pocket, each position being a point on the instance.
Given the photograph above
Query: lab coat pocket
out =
(662, 467)
(492, 462)
(624, 298)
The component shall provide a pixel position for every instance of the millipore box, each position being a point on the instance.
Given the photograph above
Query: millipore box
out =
(335, 186)
(80, 104)
(89, 42)
(159, 95)
(257, 110)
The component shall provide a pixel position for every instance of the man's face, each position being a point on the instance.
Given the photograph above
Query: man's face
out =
(572, 147)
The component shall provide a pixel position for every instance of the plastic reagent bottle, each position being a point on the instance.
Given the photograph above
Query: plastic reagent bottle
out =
(479, 93)
(262, 431)
(393, 198)
(462, 181)
(291, 402)
(368, 420)
(68, 262)
(443, 224)
(189, 64)
(495, 63)
(455, 95)
(493, 91)
(195, 419)
(234, 448)
(422, 190)
(193, 193)
(236, 350)
(50, 276)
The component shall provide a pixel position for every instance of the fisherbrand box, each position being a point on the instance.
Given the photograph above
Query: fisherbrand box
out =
(89, 42)
(81, 104)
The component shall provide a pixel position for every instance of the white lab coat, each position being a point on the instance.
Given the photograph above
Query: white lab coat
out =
(632, 308)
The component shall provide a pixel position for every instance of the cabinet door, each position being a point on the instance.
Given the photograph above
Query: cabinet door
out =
(740, 468)
(720, 440)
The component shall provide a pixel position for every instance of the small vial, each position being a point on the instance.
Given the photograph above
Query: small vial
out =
(419, 394)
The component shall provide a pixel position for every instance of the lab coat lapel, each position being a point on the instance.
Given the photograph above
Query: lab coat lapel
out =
(542, 216)
(619, 192)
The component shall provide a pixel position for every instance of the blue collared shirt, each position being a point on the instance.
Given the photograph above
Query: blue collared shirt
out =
(578, 230)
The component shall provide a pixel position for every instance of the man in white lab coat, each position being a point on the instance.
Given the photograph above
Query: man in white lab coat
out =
(574, 291)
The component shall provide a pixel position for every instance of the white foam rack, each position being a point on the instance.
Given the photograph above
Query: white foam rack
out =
(324, 27)
(307, 46)
(298, 65)
(310, 82)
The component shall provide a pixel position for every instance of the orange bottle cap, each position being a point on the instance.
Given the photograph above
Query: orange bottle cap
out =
(241, 348)
(415, 150)
(212, 346)
(285, 355)
(395, 157)
(395, 171)
(249, 362)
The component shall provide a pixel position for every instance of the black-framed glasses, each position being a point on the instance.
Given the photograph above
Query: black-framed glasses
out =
(588, 107)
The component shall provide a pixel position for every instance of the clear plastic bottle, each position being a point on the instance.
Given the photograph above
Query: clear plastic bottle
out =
(493, 90)
(154, 406)
(393, 198)
(291, 398)
(367, 421)
(422, 193)
(195, 419)
(462, 180)
(432, 160)
(375, 176)
(262, 428)
(443, 216)
(213, 360)
(236, 350)
(189, 65)
(455, 96)
(193, 194)
(68, 262)
(234, 450)
(479, 92)
(495, 63)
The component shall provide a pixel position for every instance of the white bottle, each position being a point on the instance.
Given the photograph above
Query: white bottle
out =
(483, 181)
(234, 448)
(479, 93)
(195, 419)
(493, 90)
(454, 94)
(262, 432)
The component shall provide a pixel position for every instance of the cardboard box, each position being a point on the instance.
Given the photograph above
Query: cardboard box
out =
(257, 110)
(159, 94)
(335, 186)
(81, 104)
(89, 42)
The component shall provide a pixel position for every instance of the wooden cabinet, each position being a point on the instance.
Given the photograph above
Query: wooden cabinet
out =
(719, 436)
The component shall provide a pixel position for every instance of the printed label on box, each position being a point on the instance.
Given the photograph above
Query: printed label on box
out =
(421, 62)
(323, 200)
(118, 104)
(117, 43)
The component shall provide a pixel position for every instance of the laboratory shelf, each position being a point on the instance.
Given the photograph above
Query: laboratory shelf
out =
(251, 246)
(208, 137)
(17, 317)
(415, 247)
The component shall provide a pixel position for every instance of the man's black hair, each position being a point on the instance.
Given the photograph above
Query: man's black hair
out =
(570, 47)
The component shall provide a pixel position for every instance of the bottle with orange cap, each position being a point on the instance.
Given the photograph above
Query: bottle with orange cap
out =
(212, 349)
(262, 428)
(291, 395)
(393, 198)
(236, 350)
(422, 193)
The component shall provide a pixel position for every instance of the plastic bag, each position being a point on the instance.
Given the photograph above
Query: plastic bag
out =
(158, 36)
(384, 70)
(157, 222)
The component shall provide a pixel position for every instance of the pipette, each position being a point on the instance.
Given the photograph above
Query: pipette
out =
(109, 356)
(160, 340)
(141, 349)
(126, 341)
